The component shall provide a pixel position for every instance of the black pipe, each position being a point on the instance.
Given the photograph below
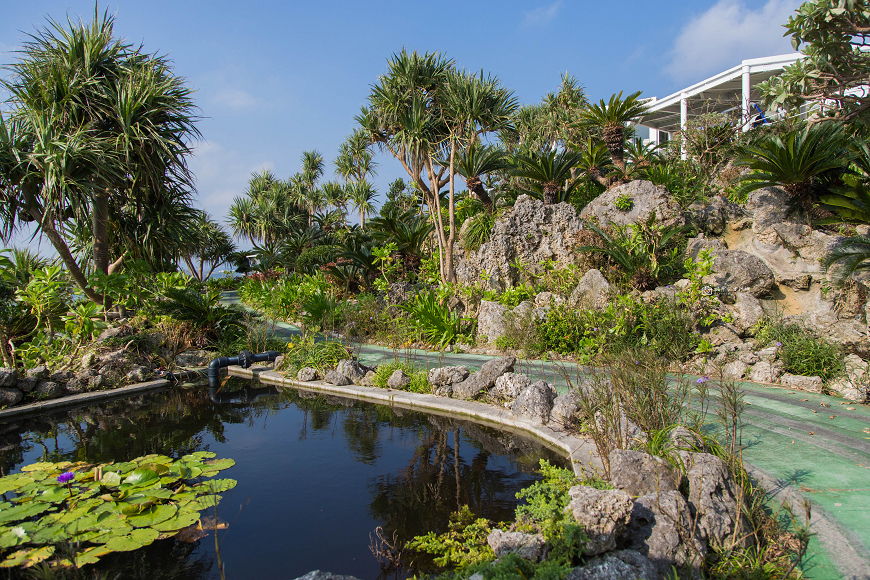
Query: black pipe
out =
(244, 360)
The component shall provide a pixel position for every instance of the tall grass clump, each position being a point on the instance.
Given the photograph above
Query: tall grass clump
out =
(801, 350)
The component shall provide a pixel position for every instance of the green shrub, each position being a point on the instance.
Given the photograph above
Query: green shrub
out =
(306, 352)
(419, 379)
(433, 321)
(463, 545)
(511, 297)
(801, 350)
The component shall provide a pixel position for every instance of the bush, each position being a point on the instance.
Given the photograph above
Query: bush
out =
(801, 350)
(434, 322)
(308, 353)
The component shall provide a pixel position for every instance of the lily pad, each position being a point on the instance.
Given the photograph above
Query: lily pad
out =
(110, 479)
(220, 464)
(152, 516)
(28, 557)
(91, 555)
(14, 482)
(178, 522)
(141, 476)
(23, 511)
(133, 541)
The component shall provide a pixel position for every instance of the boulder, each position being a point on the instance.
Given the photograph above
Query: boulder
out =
(767, 354)
(10, 396)
(318, 575)
(61, 376)
(398, 380)
(49, 390)
(811, 384)
(120, 356)
(646, 199)
(137, 374)
(492, 320)
(75, 386)
(739, 271)
(27, 384)
(530, 233)
(603, 513)
(527, 546)
(851, 389)
(682, 438)
(546, 299)
(97, 382)
(400, 293)
(510, 385)
(592, 291)
(748, 310)
(734, 370)
(368, 380)
(86, 374)
(484, 379)
(716, 501)
(351, 369)
(336, 378)
(8, 377)
(639, 473)
(661, 529)
(306, 374)
(114, 332)
(565, 409)
(535, 402)
(708, 218)
(440, 376)
(38, 372)
(619, 565)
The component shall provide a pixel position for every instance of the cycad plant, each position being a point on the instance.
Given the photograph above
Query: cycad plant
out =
(611, 119)
(594, 161)
(550, 175)
(798, 162)
(477, 160)
(849, 256)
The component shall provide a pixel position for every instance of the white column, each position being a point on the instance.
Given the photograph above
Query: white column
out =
(684, 117)
(654, 136)
(746, 96)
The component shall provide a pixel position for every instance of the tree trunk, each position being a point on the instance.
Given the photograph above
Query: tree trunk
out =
(614, 138)
(101, 231)
(451, 210)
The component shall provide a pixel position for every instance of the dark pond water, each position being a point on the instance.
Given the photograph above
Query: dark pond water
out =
(316, 474)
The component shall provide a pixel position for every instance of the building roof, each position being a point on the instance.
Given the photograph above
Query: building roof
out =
(719, 93)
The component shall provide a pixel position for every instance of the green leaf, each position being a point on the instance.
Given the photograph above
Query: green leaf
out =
(13, 537)
(28, 557)
(13, 482)
(180, 521)
(110, 479)
(23, 511)
(43, 466)
(92, 555)
(132, 541)
(141, 476)
(220, 464)
(215, 486)
(153, 515)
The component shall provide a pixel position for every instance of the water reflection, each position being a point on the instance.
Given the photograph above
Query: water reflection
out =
(317, 474)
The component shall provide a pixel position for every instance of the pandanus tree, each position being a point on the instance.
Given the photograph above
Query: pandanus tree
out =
(266, 213)
(94, 124)
(355, 164)
(362, 196)
(211, 247)
(611, 118)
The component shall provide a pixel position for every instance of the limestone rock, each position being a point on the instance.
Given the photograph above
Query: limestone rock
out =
(318, 575)
(115, 331)
(646, 199)
(592, 291)
(682, 438)
(368, 380)
(528, 546)
(98, 382)
(510, 385)
(535, 402)
(639, 473)
(8, 377)
(10, 396)
(333, 377)
(306, 374)
(27, 384)
(398, 380)
(441, 376)
(619, 565)
(604, 515)
(88, 359)
(531, 233)
(734, 370)
(659, 527)
(851, 389)
(484, 379)
(351, 369)
(491, 320)
(565, 409)
(767, 354)
(748, 309)
(739, 271)
(545, 299)
(192, 358)
(709, 218)
(49, 390)
(75, 386)
(38, 372)
(811, 384)
(716, 501)
(61, 376)
(137, 374)
(400, 293)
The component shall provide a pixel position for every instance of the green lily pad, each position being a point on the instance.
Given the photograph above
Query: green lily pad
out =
(219, 464)
(152, 516)
(14, 482)
(91, 555)
(141, 476)
(52, 533)
(42, 466)
(216, 486)
(179, 522)
(28, 557)
(203, 455)
(133, 541)
(23, 511)
(110, 479)
(13, 537)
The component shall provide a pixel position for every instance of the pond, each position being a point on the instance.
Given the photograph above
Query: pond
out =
(317, 475)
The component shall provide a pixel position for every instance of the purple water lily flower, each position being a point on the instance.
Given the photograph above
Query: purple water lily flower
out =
(66, 477)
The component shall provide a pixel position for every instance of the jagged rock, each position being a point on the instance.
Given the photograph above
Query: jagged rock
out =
(49, 390)
(398, 380)
(10, 396)
(639, 473)
(97, 382)
(528, 546)
(88, 359)
(368, 380)
(8, 377)
(739, 271)
(723, 334)
(522, 311)
(694, 246)
(27, 384)
(318, 575)
(85, 374)
(796, 281)
(120, 356)
(190, 358)
(748, 309)
(61, 376)
(646, 199)
(137, 374)
(441, 376)
(545, 299)
(484, 379)
(491, 320)
(811, 384)
(604, 515)
(565, 408)
(535, 402)
(850, 388)
(400, 293)
(749, 358)
(849, 334)
(708, 218)
(716, 500)
(306, 374)
(336, 378)
(592, 291)
(767, 354)
(38, 372)
(530, 233)
(75, 386)
(115, 331)
(734, 370)
(619, 565)
(351, 369)
(682, 438)
(510, 385)
(660, 526)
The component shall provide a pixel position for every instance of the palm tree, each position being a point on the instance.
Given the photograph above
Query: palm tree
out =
(362, 194)
(849, 256)
(594, 161)
(611, 118)
(799, 162)
(476, 160)
(266, 213)
(550, 174)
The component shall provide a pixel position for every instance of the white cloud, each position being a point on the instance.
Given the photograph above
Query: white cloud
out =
(726, 34)
(235, 98)
(543, 15)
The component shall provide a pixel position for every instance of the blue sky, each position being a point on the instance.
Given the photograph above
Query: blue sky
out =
(274, 79)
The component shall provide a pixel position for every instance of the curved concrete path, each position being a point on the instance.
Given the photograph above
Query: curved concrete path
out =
(799, 445)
